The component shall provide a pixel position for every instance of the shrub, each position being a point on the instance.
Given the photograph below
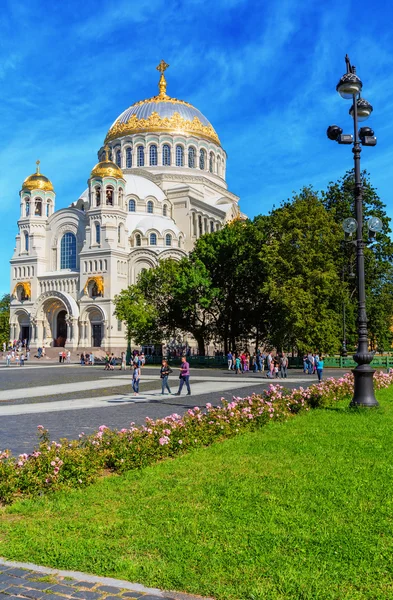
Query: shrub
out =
(58, 465)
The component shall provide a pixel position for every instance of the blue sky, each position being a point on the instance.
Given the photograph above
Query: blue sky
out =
(264, 74)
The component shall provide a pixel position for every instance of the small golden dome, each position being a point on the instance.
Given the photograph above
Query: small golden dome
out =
(106, 168)
(37, 181)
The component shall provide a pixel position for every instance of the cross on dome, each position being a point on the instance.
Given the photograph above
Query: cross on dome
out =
(162, 67)
(37, 162)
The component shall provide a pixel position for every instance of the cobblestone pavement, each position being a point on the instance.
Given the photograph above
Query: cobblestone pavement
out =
(112, 405)
(41, 583)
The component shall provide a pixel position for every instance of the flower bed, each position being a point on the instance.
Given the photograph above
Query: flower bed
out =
(54, 466)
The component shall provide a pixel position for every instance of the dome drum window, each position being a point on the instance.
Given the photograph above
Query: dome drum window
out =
(138, 240)
(166, 155)
(179, 156)
(109, 195)
(131, 205)
(128, 158)
(150, 207)
(118, 158)
(153, 155)
(153, 239)
(191, 157)
(202, 159)
(140, 152)
(168, 240)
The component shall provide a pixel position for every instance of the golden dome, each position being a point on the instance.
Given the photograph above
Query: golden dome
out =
(106, 168)
(37, 181)
(162, 114)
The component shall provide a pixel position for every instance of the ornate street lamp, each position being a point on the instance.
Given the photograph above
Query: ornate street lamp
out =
(349, 87)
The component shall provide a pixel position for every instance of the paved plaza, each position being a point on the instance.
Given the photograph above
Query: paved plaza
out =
(70, 399)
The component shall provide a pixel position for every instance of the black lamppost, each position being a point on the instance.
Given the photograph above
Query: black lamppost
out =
(349, 87)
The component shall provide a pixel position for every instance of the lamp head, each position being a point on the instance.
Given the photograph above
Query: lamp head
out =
(349, 85)
(333, 132)
(364, 109)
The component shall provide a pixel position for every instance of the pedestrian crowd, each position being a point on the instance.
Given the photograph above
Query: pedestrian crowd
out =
(274, 366)
(313, 363)
(16, 352)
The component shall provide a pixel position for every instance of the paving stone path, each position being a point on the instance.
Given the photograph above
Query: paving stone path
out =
(41, 583)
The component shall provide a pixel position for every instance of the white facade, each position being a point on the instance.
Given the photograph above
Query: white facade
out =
(164, 189)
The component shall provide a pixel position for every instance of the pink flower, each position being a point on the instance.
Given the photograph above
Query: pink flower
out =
(180, 442)
(163, 440)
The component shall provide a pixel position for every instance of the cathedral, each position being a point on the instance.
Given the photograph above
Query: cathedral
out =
(158, 186)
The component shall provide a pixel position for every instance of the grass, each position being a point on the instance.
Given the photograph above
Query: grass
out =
(299, 510)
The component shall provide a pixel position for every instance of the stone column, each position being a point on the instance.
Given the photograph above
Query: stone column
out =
(74, 333)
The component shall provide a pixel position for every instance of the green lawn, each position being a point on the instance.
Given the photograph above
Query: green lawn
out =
(298, 510)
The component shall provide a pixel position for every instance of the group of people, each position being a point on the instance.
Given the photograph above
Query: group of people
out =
(86, 358)
(313, 363)
(138, 362)
(16, 352)
(241, 362)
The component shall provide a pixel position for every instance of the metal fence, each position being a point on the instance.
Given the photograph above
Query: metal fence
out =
(295, 362)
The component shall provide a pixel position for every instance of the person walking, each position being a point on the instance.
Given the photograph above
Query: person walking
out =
(82, 359)
(136, 375)
(184, 377)
(165, 371)
(238, 365)
(320, 368)
(230, 360)
(8, 359)
(123, 361)
(68, 357)
(283, 366)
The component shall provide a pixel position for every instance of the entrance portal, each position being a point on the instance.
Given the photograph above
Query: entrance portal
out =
(97, 335)
(61, 329)
(25, 333)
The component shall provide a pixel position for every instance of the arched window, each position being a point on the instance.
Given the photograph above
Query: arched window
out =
(38, 207)
(119, 234)
(131, 205)
(164, 210)
(202, 159)
(200, 225)
(26, 241)
(168, 240)
(109, 195)
(218, 165)
(98, 233)
(48, 208)
(179, 242)
(98, 196)
(191, 157)
(150, 207)
(140, 152)
(153, 155)
(166, 155)
(211, 162)
(138, 241)
(153, 239)
(118, 158)
(179, 156)
(211, 226)
(68, 251)
(129, 158)
(27, 207)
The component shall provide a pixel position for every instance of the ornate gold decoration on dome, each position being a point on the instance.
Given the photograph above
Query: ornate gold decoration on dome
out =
(26, 285)
(99, 281)
(37, 181)
(106, 168)
(174, 124)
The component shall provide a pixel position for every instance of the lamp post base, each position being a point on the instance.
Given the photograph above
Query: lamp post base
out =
(364, 387)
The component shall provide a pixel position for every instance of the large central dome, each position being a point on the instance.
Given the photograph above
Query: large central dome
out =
(162, 114)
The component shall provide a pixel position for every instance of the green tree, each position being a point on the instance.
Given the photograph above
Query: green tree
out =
(139, 315)
(302, 289)
(339, 201)
(5, 318)
(230, 257)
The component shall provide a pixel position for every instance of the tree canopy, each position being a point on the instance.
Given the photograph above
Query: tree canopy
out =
(280, 280)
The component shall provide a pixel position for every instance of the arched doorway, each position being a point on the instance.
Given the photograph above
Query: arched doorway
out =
(61, 329)
(96, 328)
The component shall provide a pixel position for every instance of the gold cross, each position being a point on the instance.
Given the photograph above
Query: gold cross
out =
(38, 166)
(162, 67)
(106, 150)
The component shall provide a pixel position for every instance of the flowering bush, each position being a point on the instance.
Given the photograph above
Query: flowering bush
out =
(58, 465)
